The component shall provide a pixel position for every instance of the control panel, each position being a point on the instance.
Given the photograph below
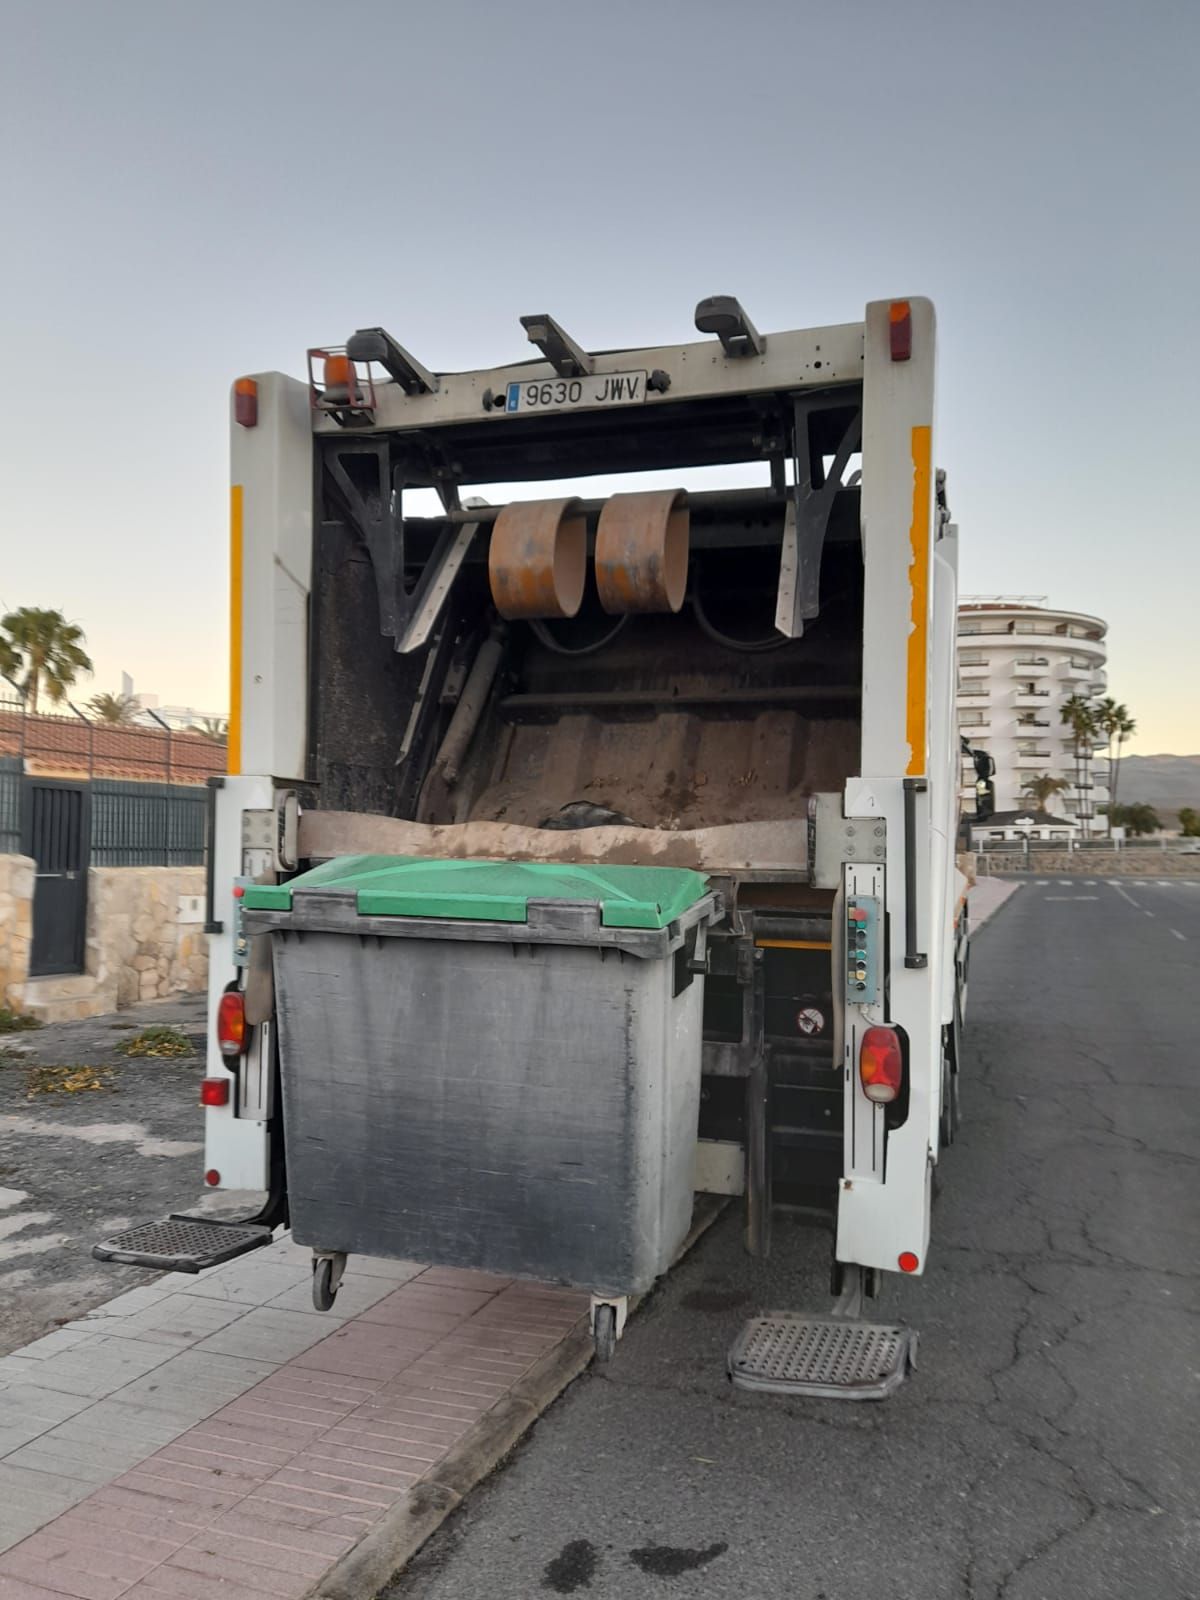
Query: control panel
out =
(241, 944)
(863, 955)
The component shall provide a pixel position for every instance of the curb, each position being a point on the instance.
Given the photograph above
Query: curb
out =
(398, 1536)
(391, 1544)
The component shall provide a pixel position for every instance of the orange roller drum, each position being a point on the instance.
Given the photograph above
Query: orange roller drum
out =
(642, 552)
(537, 561)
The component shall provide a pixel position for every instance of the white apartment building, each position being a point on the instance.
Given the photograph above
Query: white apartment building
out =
(1018, 661)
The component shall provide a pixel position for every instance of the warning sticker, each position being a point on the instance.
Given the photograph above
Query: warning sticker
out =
(811, 1021)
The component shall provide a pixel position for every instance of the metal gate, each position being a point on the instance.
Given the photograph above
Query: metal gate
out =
(56, 832)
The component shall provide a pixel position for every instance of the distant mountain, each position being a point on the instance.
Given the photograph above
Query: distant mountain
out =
(1164, 782)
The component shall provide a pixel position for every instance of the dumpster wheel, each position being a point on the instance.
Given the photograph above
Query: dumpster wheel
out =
(327, 1280)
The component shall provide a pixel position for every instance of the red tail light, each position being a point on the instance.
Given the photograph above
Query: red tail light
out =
(881, 1065)
(214, 1092)
(231, 1024)
(900, 330)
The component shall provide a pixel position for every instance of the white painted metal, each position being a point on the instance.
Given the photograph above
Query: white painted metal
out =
(866, 1135)
(234, 1145)
(273, 465)
(883, 1215)
(805, 358)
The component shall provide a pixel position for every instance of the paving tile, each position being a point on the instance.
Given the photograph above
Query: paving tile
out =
(309, 1508)
(224, 1439)
(463, 1278)
(221, 1541)
(265, 1334)
(51, 1344)
(180, 1320)
(357, 1292)
(342, 1491)
(399, 1311)
(434, 1297)
(98, 1366)
(250, 1525)
(174, 1583)
(126, 1304)
(252, 1282)
(192, 1384)
(27, 1411)
(122, 1502)
(49, 1491)
(80, 1549)
(361, 1466)
(17, 1369)
(94, 1529)
(15, 1589)
(114, 1419)
(364, 1350)
(403, 1433)
(266, 1580)
(312, 1387)
(177, 1464)
(171, 1484)
(407, 1455)
(82, 1582)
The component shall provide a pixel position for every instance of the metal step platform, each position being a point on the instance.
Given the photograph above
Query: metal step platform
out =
(182, 1244)
(828, 1358)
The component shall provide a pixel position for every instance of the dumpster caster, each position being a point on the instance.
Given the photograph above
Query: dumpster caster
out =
(327, 1279)
(608, 1324)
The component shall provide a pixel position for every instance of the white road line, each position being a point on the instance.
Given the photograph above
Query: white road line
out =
(1042, 882)
(1163, 883)
(1125, 896)
(1064, 883)
(1089, 883)
(1179, 935)
(1070, 897)
(1147, 913)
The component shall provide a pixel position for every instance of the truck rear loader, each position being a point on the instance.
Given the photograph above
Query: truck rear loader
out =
(476, 699)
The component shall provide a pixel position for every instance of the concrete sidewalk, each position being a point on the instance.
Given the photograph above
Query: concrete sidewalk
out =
(215, 1436)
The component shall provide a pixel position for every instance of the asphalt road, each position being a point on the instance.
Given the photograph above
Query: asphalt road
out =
(76, 1166)
(1048, 1445)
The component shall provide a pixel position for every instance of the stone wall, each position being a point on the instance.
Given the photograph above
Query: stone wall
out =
(16, 926)
(145, 936)
(1135, 863)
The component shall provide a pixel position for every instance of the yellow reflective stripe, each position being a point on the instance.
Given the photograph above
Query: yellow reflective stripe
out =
(918, 579)
(234, 765)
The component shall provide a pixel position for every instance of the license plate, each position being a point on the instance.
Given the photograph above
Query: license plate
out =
(568, 394)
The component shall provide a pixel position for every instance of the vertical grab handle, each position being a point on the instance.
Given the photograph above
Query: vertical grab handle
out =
(912, 788)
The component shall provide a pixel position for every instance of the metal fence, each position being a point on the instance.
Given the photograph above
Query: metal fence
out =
(147, 824)
(10, 805)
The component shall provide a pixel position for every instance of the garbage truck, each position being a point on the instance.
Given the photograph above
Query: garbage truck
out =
(588, 835)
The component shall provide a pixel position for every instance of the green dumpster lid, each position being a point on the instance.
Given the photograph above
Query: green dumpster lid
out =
(490, 891)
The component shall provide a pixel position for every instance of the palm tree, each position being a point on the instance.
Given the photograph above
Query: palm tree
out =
(51, 651)
(1042, 787)
(1079, 715)
(118, 710)
(210, 727)
(10, 660)
(1109, 717)
(1126, 728)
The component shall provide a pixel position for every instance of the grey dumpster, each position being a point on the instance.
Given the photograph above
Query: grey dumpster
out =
(491, 1064)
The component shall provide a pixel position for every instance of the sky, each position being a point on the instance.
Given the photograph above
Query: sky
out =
(191, 191)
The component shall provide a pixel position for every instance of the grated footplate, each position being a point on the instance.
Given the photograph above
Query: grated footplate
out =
(182, 1244)
(832, 1358)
